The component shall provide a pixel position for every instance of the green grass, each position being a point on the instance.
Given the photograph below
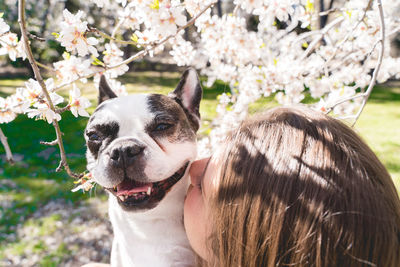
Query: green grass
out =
(379, 125)
(32, 181)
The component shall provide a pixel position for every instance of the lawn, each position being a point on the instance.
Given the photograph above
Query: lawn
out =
(32, 182)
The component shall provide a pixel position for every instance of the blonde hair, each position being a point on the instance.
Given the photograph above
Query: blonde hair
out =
(298, 188)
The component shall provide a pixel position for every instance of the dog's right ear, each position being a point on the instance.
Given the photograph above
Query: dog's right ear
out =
(188, 94)
(105, 91)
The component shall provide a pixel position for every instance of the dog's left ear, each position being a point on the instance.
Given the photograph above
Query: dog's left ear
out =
(105, 91)
(188, 94)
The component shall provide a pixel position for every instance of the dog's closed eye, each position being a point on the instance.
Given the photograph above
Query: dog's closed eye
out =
(93, 136)
(162, 127)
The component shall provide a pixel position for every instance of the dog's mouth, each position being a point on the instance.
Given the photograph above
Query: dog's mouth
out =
(131, 193)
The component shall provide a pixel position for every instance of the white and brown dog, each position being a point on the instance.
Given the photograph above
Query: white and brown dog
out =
(139, 149)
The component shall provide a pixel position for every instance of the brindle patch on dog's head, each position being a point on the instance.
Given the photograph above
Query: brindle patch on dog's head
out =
(174, 116)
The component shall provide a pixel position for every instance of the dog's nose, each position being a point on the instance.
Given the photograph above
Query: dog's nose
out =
(125, 155)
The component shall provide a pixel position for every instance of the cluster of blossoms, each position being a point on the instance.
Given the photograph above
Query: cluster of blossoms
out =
(85, 183)
(31, 101)
(113, 56)
(9, 44)
(73, 34)
(160, 18)
(329, 64)
(282, 54)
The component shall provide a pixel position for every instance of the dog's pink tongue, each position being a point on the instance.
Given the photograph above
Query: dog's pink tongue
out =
(128, 187)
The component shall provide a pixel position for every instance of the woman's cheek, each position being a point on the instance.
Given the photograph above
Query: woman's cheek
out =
(194, 220)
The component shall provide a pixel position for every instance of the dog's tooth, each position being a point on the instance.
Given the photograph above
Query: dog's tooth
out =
(148, 191)
(122, 198)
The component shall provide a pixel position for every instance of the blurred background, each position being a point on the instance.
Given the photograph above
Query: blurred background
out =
(42, 223)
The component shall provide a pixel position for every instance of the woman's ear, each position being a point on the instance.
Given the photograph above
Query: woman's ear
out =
(105, 91)
(188, 92)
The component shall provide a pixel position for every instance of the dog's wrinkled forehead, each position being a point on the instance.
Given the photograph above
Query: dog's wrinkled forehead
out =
(136, 112)
(130, 110)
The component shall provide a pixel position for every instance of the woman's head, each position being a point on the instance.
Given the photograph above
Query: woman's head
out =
(294, 187)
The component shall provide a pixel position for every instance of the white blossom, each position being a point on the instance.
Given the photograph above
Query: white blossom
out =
(3, 26)
(43, 112)
(71, 68)
(6, 114)
(11, 46)
(77, 103)
(114, 56)
(182, 52)
(73, 34)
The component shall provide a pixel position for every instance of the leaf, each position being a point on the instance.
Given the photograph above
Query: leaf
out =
(97, 62)
(134, 38)
(155, 4)
(66, 55)
(55, 34)
(309, 6)
(1, 14)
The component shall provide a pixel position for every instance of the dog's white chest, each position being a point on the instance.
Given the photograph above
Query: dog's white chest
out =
(148, 241)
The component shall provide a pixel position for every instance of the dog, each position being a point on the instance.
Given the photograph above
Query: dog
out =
(139, 148)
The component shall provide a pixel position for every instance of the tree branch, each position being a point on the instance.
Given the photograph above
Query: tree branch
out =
(36, 71)
(139, 54)
(374, 74)
(3, 140)
(378, 65)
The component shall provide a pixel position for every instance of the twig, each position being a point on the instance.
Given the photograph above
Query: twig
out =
(3, 140)
(393, 31)
(378, 65)
(4, 33)
(236, 9)
(45, 67)
(52, 143)
(321, 33)
(349, 117)
(32, 36)
(62, 110)
(349, 33)
(35, 68)
(119, 24)
(332, 10)
(344, 100)
(106, 36)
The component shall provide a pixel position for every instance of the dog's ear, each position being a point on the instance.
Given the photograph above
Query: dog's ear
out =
(105, 91)
(188, 94)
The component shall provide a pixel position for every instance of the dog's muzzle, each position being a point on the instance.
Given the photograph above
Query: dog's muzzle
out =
(124, 155)
(132, 194)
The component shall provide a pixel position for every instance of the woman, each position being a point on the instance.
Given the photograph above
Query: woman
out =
(293, 188)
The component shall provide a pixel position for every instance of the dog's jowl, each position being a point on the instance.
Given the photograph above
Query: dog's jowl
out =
(139, 149)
